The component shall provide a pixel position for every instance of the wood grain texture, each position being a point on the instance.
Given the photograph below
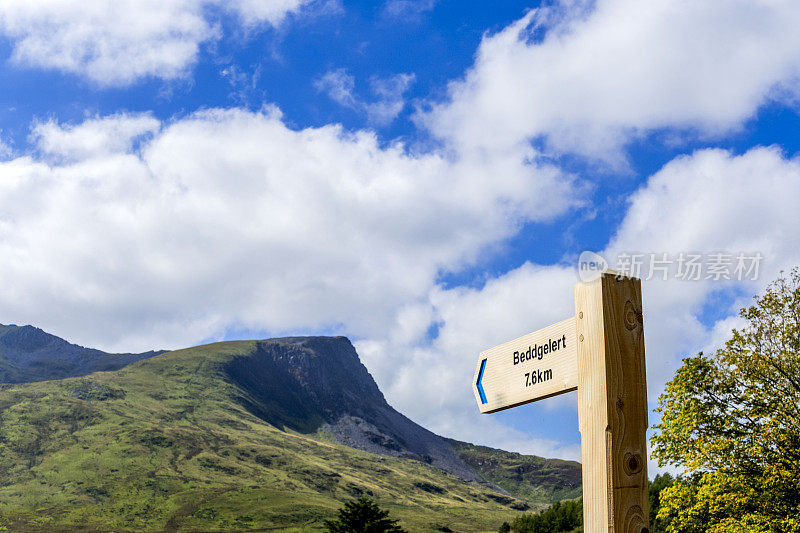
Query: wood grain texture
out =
(507, 385)
(612, 404)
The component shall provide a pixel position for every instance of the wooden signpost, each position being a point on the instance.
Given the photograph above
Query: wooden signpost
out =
(599, 352)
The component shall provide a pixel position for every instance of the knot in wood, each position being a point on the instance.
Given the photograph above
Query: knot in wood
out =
(633, 463)
(633, 318)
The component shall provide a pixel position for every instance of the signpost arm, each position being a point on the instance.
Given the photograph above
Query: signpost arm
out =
(612, 404)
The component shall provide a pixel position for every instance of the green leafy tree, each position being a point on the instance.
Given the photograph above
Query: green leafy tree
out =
(661, 482)
(559, 517)
(362, 516)
(568, 516)
(731, 421)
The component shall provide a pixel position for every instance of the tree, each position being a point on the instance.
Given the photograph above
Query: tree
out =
(731, 422)
(661, 482)
(362, 516)
(559, 517)
(567, 516)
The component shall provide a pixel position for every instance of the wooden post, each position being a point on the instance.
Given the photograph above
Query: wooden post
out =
(612, 404)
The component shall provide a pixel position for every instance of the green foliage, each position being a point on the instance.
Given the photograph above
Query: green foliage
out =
(568, 515)
(362, 516)
(661, 482)
(560, 517)
(732, 422)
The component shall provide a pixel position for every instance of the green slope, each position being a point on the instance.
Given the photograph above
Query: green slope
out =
(531, 478)
(165, 444)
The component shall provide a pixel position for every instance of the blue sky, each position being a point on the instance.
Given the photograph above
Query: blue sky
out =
(419, 175)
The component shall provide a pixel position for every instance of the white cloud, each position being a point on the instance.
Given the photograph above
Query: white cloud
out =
(709, 201)
(116, 42)
(244, 84)
(388, 103)
(339, 86)
(254, 12)
(604, 74)
(5, 150)
(430, 380)
(93, 138)
(130, 234)
(407, 10)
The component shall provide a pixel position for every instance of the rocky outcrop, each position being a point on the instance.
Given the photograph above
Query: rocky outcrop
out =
(311, 383)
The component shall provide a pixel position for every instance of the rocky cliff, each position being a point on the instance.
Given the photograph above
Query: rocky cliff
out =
(311, 383)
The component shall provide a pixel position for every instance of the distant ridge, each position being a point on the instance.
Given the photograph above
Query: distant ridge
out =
(28, 354)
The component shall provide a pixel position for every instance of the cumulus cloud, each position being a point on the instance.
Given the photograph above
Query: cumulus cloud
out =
(131, 234)
(587, 78)
(709, 201)
(429, 380)
(389, 101)
(116, 42)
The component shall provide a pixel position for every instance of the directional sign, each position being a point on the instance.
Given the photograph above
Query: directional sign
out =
(535, 366)
(599, 352)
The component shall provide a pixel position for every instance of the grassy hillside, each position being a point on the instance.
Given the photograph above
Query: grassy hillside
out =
(166, 444)
(528, 477)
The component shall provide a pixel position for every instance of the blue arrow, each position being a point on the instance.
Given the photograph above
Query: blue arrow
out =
(480, 377)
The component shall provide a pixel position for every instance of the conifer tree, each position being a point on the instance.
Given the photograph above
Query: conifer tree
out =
(363, 516)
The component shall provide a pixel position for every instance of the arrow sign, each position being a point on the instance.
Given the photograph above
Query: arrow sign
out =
(535, 366)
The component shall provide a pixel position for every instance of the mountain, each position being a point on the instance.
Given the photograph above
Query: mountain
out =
(234, 436)
(29, 354)
(528, 477)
